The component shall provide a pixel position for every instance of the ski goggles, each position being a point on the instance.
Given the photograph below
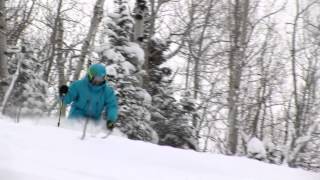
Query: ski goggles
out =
(98, 80)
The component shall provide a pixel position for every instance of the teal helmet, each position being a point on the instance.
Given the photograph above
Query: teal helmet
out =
(96, 70)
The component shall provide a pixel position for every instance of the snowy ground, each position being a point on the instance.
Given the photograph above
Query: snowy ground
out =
(31, 151)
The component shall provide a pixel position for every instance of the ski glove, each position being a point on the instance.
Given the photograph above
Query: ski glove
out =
(63, 90)
(110, 125)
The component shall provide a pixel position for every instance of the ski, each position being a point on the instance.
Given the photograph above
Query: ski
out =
(107, 134)
(84, 129)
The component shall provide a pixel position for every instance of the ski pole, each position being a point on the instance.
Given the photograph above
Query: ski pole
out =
(61, 106)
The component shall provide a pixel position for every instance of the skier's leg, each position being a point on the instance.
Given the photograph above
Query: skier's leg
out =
(84, 131)
(95, 128)
(100, 128)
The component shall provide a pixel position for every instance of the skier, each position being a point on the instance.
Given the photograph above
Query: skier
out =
(90, 96)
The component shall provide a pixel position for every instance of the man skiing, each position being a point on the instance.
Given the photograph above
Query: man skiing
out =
(90, 96)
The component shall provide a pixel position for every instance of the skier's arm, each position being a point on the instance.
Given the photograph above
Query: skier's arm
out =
(111, 105)
(71, 94)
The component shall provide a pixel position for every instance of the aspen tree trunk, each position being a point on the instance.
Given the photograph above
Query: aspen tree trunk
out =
(197, 66)
(152, 21)
(233, 83)
(3, 42)
(261, 92)
(21, 26)
(300, 101)
(200, 52)
(3, 48)
(238, 25)
(140, 11)
(12, 84)
(53, 42)
(95, 21)
(294, 72)
(60, 58)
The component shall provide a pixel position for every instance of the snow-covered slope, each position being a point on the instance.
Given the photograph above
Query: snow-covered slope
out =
(37, 152)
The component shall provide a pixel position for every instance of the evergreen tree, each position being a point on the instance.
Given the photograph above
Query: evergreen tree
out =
(124, 60)
(172, 119)
(150, 114)
(29, 93)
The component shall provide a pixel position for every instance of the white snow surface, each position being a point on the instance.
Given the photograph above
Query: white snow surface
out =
(39, 151)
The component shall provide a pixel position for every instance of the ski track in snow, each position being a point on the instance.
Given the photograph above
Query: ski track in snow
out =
(38, 152)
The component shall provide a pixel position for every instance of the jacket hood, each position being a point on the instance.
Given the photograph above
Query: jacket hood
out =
(97, 70)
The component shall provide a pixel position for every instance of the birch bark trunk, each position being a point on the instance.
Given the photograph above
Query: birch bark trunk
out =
(238, 22)
(95, 21)
(3, 42)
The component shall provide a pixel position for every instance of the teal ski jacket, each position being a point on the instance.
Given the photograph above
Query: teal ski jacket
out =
(88, 101)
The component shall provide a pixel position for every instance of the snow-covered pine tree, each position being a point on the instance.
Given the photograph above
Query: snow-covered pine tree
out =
(124, 60)
(160, 118)
(172, 119)
(29, 92)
